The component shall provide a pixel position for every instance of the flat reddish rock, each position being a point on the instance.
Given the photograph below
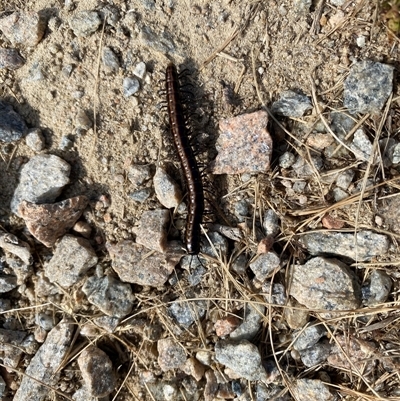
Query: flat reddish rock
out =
(48, 222)
(244, 145)
(136, 264)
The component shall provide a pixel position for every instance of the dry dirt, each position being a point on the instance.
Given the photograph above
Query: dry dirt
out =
(271, 46)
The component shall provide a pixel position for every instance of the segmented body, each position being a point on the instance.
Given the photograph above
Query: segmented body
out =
(180, 133)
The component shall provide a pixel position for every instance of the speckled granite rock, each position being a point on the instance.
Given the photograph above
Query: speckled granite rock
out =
(48, 222)
(244, 145)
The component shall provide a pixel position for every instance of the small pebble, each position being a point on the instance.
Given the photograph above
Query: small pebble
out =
(45, 321)
(12, 125)
(110, 60)
(140, 70)
(344, 179)
(35, 139)
(339, 194)
(83, 228)
(82, 121)
(65, 143)
(141, 195)
(225, 326)
(291, 104)
(167, 190)
(130, 86)
(10, 59)
(84, 23)
(287, 160)
(171, 355)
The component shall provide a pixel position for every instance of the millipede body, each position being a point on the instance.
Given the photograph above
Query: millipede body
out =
(192, 175)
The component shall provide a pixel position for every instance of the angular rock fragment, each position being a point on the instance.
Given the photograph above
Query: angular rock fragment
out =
(377, 290)
(97, 371)
(35, 139)
(152, 232)
(136, 264)
(252, 319)
(352, 354)
(7, 283)
(361, 145)
(72, 258)
(244, 145)
(242, 357)
(12, 126)
(23, 27)
(11, 243)
(167, 190)
(312, 390)
(110, 295)
(291, 104)
(171, 355)
(10, 59)
(265, 265)
(12, 346)
(44, 366)
(186, 313)
(364, 247)
(41, 180)
(48, 222)
(367, 87)
(225, 326)
(327, 284)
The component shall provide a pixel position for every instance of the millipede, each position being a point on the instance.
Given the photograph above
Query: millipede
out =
(181, 138)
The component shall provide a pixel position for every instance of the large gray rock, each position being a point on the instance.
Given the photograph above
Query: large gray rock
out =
(364, 247)
(41, 181)
(327, 284)
(43, 367)
(367, 87)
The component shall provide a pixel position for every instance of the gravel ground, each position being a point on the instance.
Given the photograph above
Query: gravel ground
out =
(294, 108)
